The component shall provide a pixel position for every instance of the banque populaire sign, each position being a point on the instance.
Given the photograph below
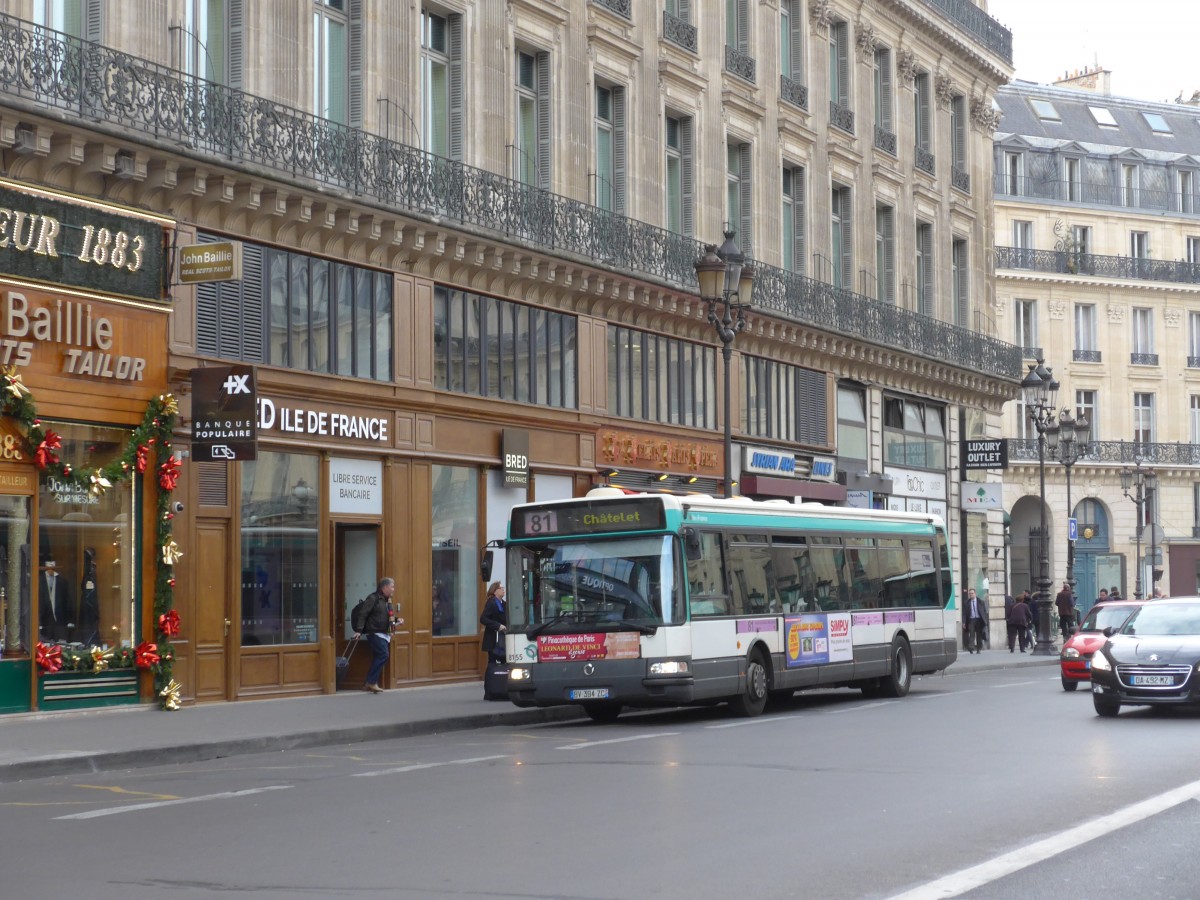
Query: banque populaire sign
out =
(47, 238)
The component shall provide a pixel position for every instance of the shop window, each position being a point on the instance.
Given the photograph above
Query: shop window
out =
(655, 378)
(914, 434)
(280, 510)
(784, 402)
(86, 568)
(455, 522)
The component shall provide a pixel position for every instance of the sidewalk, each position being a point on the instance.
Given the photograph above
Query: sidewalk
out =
(38, 745)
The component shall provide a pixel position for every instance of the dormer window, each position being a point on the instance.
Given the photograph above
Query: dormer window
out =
(1157, 123)
(1103, 116)
(1045, 110)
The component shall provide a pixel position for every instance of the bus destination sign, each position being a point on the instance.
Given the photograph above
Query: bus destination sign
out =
(594, 517)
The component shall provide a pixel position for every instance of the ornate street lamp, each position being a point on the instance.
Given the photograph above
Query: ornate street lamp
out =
(1141, 482)
(1069, 441)
(1040, 392)
(726, 287)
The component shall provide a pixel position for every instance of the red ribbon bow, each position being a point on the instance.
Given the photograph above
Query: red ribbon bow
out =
(49, 657)
(45, 455)
(168, 474)
(140, 457)
(146, 655)
(168, 623)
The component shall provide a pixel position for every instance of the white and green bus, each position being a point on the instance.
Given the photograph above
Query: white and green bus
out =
(618, 599)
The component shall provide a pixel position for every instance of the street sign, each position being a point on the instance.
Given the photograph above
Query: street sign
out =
(1072, 529)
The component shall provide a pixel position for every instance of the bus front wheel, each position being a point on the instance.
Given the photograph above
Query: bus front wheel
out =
(753, 698)
(897, 681)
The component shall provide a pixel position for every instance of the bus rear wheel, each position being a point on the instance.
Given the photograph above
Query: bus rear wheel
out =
(897, 681)
(602, 712)
(753, 698)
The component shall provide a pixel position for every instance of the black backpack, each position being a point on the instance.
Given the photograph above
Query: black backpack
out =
(358, 615)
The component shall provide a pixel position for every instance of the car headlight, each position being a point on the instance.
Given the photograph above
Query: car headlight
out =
(1070, 653)
(669, 667)
(518, 674)
(1100, 663)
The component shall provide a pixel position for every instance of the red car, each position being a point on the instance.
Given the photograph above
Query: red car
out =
(1075, 659)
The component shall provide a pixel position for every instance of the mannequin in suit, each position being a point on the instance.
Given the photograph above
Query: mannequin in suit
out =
(56, 614)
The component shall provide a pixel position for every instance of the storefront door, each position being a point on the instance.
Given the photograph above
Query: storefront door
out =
(16, 620)
(357, 575)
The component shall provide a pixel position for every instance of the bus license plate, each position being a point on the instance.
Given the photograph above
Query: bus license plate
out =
(1152, 680)
(589, 694)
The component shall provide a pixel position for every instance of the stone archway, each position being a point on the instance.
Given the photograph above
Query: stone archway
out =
(1026, 531)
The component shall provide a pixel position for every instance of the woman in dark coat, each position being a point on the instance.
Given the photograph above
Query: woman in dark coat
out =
(494, 618)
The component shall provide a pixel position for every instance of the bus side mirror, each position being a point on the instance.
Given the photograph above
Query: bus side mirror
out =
(485, 565)
(691, 545)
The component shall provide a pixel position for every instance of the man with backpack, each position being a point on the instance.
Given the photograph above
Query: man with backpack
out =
(373, 617)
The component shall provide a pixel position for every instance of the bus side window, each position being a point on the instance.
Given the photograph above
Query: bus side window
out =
(706, 583)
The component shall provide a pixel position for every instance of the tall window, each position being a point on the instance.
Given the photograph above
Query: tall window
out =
(1026, 335)
(507, 351)
(842, 238)
(1192, 249)
(852, 434)
(958, 137)
(1022, 235)
(78, 18)
(794, 243)
(1187, 191)
(1143, 418)
(610, 148)
(961, 282)
(925, 272)
(1014, 173)
(652, 378)
(1130, 183)
(1074, 167)
(922, 113)
(680, 167)
(738, 195)
(1139, 244)
(1087, 404)
(1025, 429)
(1194, 420)
(204, 44)
(1193, 339)
(839, 64)
(882, 89)
(532, 149)
(1143, 330)
(885, 254)
(454, 527)
(784, 402)
(1085, 329)
(791, 41)
(441, 84)
(331, 55)
(1081, 236)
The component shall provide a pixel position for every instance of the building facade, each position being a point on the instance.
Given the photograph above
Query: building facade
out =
(1098, 272)
(469, 232)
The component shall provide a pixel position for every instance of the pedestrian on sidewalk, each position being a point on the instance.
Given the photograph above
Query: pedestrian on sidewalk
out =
(1019, 621)
(1065, 601)
(377, 626)
(494, 620)
(1103, 598)
(975, 623)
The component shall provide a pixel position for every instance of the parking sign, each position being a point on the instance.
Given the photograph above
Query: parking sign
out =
(1072, 529)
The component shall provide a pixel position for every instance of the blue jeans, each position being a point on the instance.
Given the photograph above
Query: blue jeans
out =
(380, 647)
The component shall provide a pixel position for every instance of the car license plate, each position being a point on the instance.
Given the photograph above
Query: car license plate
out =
(1087, 664)
(1152, 680)
(589, 694)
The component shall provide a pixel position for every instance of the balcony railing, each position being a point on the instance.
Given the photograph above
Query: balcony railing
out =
(1094, 193)
(885, 140)
(95, 87)
(679, 32)
(1086, 356)
(1030, 352)
(982, 27)
(793, 92)
(1068, 263)
(960, 179)
(1143, 359)
(925, 161)
(623, 8)
(740, 63)
(1126, 452)
(841, 117)
(1193, 362)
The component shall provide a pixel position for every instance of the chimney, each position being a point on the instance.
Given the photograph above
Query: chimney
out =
(1093, 78)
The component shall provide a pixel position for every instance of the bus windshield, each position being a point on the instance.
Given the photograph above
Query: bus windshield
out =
(615, 584)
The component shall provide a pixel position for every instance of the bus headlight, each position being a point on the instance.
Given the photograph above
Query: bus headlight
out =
(516, 673)
(1100, 662)
(669, 667)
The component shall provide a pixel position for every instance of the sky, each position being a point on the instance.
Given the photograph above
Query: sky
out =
(1148, 45)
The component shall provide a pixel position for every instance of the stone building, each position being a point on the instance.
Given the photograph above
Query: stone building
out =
(467, 226)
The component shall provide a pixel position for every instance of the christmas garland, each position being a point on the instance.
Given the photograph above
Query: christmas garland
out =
(149, 444)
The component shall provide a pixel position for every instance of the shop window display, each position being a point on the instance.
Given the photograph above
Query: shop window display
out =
(85, 574)
(280, 510)
(455, 595)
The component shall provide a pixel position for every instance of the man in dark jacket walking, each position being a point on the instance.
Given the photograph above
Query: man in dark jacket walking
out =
(975, 622)
(1065, 601)
(377, 626)
(1019, 620)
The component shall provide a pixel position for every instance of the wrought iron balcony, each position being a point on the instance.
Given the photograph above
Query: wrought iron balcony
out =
(885, 140)
(1095, 193)
(740, 63)
(1143, 359)
(1124, 452)
(982, 27)
(1193, 362)
(1070, 263)
(1086, 356)
(679, 32)
(97, 88)
(925, 161)
(960, 179)
(841, 117)
(1031, 353)
(623, 8)
(793, 92)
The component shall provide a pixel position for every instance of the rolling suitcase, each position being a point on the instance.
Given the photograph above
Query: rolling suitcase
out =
(343, 661)
(495, 680)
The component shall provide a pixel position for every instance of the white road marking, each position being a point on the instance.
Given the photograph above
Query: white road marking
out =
(624, 740)
(116, 810)
(946, 694)
(415, 767)
(976, 876)
(1014, 684)
(766, 720)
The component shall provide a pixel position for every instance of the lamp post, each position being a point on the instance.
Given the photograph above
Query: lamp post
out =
(726, 286)
(1141, 482)
(1069, 439)
(1040, 391)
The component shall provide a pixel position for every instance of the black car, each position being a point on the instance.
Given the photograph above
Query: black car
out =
(1151, 660)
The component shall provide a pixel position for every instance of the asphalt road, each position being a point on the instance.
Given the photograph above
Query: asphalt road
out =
(990, 785)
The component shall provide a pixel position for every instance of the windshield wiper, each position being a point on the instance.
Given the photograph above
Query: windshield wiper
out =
(538, 629)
